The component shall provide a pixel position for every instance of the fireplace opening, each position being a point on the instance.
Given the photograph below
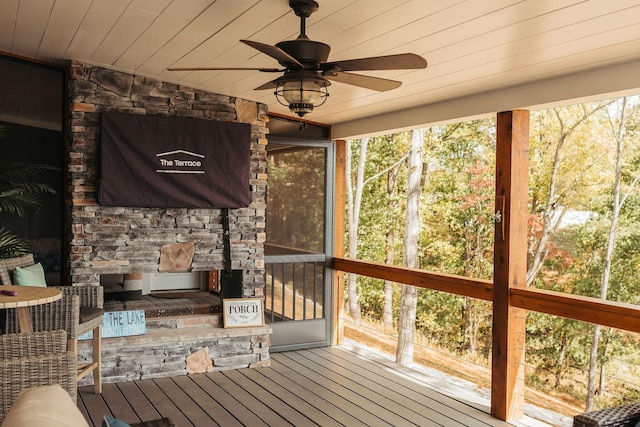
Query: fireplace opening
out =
(162, 294)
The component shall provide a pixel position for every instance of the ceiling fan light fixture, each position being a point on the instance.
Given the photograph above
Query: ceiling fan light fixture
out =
(301, 92)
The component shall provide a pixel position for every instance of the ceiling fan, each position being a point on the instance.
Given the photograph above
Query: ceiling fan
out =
(307, 73)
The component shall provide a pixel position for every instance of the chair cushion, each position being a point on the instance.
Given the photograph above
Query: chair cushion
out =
(32, 275)
(90, 313)
(46, 406)
(9, 264)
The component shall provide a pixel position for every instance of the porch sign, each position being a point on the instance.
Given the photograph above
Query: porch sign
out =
(173, 162)
(121, 324)
(242, 312)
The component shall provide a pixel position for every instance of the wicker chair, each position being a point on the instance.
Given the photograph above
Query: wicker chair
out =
(78, 312)
(34, 359)
(618, 416)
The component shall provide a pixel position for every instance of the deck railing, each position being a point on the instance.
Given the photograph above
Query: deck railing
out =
(593, 310)
(612, 314)
(294, 288)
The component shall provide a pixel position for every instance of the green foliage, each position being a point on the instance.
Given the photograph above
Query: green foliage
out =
(383, 153)
(19, 196)
(299, 203)
(457, 211)
(459, 194)
(371, 297)
(11, 245)
(571, 168)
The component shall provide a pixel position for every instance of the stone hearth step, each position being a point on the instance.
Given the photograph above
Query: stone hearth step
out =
(183, 322)
(164, 350)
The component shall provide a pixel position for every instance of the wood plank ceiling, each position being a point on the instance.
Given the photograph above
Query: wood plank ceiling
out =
(472, 46)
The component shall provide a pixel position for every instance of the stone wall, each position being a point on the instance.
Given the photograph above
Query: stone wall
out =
(180, 346)
(107, 240)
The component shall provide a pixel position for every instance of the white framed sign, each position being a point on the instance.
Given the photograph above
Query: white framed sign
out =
(243, 312)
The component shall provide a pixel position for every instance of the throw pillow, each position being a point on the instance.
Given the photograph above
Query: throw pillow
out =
(113, 422)
(32, 275)
(45, 406)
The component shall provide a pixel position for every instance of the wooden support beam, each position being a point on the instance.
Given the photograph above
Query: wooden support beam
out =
(458, 285)
(338, 239)
(510, 264)
(613, 314)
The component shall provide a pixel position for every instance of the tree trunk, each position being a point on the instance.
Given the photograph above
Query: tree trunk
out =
(471, 315)
(407, 323)
(593, 367)
(554, 209)
(471, 323)
(354, 203)
(603, 366)
(618, 129)
(406, 327)
(387, 308)
(560, 362)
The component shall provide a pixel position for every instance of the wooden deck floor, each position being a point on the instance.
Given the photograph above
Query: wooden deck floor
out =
(319, 387)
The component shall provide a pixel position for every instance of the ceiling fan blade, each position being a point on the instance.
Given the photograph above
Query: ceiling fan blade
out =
(266, 70)
(269, 85)
(367, 82)
(403, 61)
(275, 52)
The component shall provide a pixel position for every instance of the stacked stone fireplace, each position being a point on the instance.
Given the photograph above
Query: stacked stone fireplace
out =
(121, 240)
(126, 240)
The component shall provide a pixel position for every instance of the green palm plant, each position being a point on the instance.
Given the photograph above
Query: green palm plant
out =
(11, 245)
(19, 197)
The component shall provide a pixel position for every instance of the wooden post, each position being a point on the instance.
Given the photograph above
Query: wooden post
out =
(338, 239)
(510, 264)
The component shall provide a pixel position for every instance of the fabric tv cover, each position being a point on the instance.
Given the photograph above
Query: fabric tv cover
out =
(173, 162)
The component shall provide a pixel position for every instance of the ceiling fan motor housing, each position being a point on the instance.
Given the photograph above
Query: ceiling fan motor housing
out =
(310, 53)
